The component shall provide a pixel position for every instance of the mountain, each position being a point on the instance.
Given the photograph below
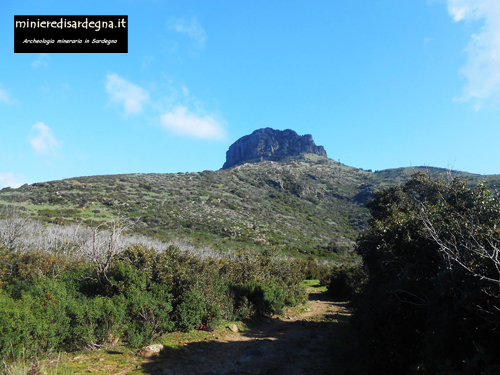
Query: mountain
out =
(305, 205)
(270, 144)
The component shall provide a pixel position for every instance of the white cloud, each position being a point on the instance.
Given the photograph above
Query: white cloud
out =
(193, 29)
(123, 92)
(8, 179)
(482, 69)
(43, 140)
(5, 96)
(173, 109)
(41, 62)
(181, 122)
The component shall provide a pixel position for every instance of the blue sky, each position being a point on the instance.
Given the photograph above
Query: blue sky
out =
(380, 84)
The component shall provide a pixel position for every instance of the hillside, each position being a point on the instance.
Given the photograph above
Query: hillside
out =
(297, 205)
(312, 206)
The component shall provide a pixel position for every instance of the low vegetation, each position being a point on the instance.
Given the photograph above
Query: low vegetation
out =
(59, 295)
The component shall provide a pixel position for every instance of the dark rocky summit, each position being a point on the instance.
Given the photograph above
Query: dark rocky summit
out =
(270, 144)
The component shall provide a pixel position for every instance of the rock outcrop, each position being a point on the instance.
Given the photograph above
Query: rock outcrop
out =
(270, 144)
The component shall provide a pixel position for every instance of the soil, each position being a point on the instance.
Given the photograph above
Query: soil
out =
(289, 344)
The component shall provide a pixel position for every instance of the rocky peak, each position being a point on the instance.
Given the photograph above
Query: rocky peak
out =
(270, 144)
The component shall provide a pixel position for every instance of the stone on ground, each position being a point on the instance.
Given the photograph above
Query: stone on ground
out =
(150, 351)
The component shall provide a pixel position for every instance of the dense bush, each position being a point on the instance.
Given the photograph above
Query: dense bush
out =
(430, 304)
(35, 322)
(53, 301)
(315, 269)
(96, 321)
(265, 299)
(345, 280)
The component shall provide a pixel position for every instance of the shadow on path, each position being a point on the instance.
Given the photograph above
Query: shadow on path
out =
(301, 345)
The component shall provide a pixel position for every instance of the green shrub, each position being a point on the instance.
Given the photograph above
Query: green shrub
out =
(190, 311)
(16, 325)
(430, 303)
(148, 314)
(36, 322)
(212, 317)
(345, 281)
(97, 320)
(315, 271)
(263, 299)
(272, 299)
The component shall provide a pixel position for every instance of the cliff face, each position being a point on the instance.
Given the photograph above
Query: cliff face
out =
(270, 144)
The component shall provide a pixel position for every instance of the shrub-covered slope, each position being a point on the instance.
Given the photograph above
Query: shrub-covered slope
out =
(310, 206)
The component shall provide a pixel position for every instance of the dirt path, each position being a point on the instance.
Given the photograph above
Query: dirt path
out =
(291, 345)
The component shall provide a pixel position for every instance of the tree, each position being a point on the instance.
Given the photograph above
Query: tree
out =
(431, 300)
